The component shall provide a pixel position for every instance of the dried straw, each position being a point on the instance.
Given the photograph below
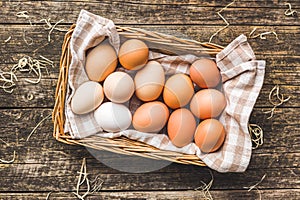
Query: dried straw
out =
(9, 161)
(25, 64)
(279, 97)
(33, 130)
(92, 186)
(28, 38)
(48, 195)
(7, 40)
(7, 81)
(256, 134)
(206, 187)
(289, 11)
(52, 28)
(227, 23)
(262, 36)
(24, 14)
(255, 186)
(81, 180)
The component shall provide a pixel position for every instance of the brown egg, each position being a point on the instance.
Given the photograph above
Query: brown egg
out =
(205, 73)
(178, 91)
(149, 81)
(207, 103)
(133, 54)
(101, 61)
(209, 135)
(181, 127)
(150, 117)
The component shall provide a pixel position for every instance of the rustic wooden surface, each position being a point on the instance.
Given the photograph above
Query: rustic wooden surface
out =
(43, 165)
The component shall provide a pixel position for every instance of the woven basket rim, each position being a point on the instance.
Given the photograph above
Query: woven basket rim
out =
(123, 145)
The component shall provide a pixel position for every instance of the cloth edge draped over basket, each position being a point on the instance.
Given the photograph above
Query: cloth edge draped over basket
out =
(242, 77)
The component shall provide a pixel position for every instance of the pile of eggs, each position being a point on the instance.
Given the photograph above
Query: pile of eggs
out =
(186, 105)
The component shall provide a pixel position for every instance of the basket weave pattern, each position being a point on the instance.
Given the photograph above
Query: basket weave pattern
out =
(123, 145)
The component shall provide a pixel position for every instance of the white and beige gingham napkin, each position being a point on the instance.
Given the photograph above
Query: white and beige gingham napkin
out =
(242, 77)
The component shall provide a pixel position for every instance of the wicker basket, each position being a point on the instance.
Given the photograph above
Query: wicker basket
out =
(123, 145)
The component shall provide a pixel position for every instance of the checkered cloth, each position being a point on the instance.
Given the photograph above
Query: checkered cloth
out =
(242, 77)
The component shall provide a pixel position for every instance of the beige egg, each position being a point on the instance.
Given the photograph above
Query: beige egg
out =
(178, 91)
(101, 61)
(149, 81)
(150, 117)
(118, 87)
(113, 117)
(87, 97)
(181, 127)
(133, 54)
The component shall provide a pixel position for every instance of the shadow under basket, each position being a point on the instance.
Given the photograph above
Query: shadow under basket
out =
(123, 145)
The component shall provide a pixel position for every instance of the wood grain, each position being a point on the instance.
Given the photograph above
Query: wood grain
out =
(270, 47)
(163, 195)
(153, 13)
(44, 165)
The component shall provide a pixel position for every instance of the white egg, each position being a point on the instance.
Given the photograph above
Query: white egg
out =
(113, 117)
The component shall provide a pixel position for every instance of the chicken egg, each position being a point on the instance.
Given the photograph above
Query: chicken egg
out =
(149, 81)
(133, 54)
(207, 103)
(181, 127)
(87, 97)
(150, 117)
(205, 73)
(101, 61)
(209, 135)
(113, 117)
(118, 87)
(178, 91)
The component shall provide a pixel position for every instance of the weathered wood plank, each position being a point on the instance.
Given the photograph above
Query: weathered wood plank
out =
(43, 177)
(133, 13)
(43, 164)
(220, 3)
(272, 154)
(163, 195)
(30, 95)
(281, 49)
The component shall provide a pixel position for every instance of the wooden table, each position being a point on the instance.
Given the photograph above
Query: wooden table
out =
(44, 165)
